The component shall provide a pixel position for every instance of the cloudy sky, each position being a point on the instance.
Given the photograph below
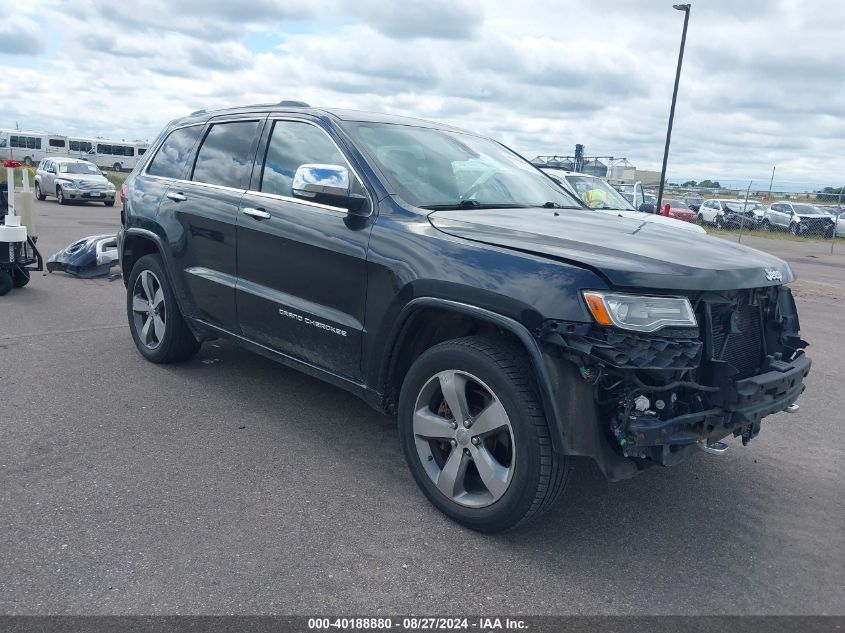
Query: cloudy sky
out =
(763, 81)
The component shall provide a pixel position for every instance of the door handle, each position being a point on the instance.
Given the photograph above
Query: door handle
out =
(177, 196)
(260, 214)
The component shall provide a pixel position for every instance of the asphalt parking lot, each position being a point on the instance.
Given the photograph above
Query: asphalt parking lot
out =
(230, 484)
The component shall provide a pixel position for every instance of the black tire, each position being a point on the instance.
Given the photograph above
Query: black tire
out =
(793, 229)
(539, 474)
(178, 342)
(117, 166)
(27, 161)
(6, 282)
(109, 203)
(720, 222)
(699, 219)
(38, 193)
(60, 196)
(766, 226)
(20, 277)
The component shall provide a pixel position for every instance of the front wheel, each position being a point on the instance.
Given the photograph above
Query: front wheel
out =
(157, 325)
(720, 222)
(793, 229)
(60, 196)
(475, 437)
(767, 226)
(699, 219)
(109, 203)
(38, 193)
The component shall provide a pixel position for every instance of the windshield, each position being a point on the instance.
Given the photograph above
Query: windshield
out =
(676, 204)
(597, 194)
(432, 168)
(78, 168)
(805, 208)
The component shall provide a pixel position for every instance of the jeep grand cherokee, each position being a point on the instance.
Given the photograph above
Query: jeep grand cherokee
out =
(443, 278)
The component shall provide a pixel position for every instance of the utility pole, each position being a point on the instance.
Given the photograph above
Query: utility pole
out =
(772, 181)
(685, 8)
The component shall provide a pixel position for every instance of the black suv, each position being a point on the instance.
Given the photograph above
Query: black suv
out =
(440, 276)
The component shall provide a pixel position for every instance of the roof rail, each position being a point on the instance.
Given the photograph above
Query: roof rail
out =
(196, 112)
(293, 104)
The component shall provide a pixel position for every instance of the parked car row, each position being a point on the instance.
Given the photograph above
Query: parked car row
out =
(796, 218)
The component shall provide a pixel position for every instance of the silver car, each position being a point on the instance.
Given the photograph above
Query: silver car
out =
(72, 179)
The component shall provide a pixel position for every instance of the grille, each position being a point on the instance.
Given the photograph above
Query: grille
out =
(737, 335)
(87, 184)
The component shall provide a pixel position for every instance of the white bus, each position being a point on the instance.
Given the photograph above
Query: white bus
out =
(118, 156)
(80, 147)
(30, 147)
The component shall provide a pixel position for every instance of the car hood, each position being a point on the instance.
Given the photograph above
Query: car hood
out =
(813, 216)
(652, 217)
(627, 252)
(92, 178)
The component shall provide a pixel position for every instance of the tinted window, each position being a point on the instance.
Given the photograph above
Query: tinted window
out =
(57, 142)
(169, 161)
(142, 151)
(225, 156)
(293, 144)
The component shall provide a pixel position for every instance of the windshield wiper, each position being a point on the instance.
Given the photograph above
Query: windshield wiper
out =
(472, 204)
(552, 205)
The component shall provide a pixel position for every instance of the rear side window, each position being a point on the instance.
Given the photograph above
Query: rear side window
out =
(169, 161)
(225, 156)
(292, 144)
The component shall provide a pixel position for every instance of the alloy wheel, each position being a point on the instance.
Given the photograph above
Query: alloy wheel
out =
(464, 438)
(149, 309)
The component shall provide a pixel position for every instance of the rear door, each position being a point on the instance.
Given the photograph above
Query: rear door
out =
(202, 208)
(302, 278)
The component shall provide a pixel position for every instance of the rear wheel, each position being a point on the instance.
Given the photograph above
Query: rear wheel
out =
(27, 161)
(117, 166)
(157, 325)
(6, 282)
(20, 277)
(475, 437)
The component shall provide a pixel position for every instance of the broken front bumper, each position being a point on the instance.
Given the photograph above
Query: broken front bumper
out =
(750, 400)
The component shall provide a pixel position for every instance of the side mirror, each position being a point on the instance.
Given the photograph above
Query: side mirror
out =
(646, 207)
(327, 184)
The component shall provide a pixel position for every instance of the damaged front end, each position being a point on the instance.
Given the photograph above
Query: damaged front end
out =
(664, 395)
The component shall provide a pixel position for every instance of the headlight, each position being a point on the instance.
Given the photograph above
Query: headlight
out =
(638, 313)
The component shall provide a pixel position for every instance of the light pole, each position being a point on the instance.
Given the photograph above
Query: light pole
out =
(685, 8)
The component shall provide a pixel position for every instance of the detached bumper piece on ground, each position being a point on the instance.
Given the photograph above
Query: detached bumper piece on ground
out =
(86, 258)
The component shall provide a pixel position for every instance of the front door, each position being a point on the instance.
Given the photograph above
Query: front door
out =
(302, 268)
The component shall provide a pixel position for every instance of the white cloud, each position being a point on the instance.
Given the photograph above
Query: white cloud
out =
(761, 82)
